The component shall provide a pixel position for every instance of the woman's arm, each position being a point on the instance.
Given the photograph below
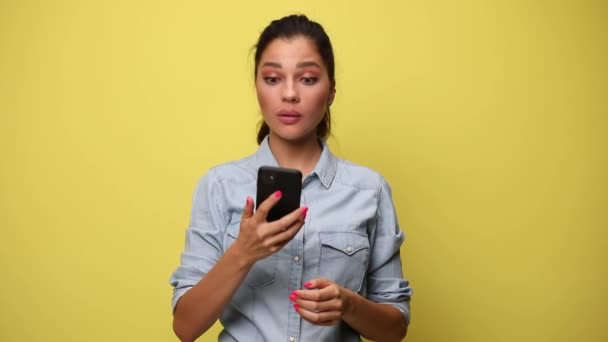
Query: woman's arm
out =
(377, 322)
(325, 303)
(202, 304)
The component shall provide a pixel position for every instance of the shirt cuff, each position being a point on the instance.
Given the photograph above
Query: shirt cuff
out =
(177, 295)
(404, 308)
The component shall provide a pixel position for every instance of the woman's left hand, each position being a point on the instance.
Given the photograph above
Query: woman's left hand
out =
(323, 302)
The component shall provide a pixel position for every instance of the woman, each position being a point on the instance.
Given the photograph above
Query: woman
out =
(328, 271)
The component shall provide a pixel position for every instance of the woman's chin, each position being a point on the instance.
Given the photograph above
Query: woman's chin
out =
(293, 136)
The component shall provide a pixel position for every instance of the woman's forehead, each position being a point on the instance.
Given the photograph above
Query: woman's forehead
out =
(291, 51)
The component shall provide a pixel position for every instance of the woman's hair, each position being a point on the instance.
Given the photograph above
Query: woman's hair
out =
(290, 27)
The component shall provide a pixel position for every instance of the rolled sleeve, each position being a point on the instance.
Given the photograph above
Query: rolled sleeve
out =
(204, 236)
(385, 283)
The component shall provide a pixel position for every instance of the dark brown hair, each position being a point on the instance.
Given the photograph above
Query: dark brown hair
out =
(290, 27)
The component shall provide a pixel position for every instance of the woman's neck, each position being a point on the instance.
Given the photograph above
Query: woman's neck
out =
(302, 155)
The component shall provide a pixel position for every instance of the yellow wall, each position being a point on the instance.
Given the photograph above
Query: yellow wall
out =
(488, 118)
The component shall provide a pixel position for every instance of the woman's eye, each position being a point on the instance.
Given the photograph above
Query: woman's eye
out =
(271, 80)
(309, 80)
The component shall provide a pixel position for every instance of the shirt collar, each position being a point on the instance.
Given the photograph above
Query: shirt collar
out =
(264, 156)
(325, 169)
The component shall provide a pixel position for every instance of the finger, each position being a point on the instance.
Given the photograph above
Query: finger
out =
(248, 209)
(328, 324)
(324, 324)
(283, 236)
(288, 220)
(318, 283)
(279, 240)
(333, 304)
(319, 318)
(324, 294)
(262, 212)
(278, 246)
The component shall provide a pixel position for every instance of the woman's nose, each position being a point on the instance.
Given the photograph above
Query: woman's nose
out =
(290, 94)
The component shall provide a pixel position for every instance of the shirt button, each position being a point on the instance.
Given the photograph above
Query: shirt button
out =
(291, 339)
(349, 249)
(296, 258)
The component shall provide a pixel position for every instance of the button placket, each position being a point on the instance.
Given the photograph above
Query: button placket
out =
(295, 278)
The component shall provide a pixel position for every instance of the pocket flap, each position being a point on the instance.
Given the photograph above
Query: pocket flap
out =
(346, 242)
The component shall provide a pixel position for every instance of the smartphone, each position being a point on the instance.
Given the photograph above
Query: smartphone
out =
(289, 181)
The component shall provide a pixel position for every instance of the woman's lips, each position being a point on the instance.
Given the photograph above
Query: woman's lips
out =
(289, 117)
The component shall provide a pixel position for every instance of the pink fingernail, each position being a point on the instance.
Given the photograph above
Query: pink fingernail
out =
(292, 298)
(278, 194)
(294, 293)
(249, 200)
(308, 285)
(304, 210)
(296, 307)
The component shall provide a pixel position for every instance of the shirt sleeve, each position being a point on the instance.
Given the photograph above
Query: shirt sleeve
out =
(385, 283)
(204, 238)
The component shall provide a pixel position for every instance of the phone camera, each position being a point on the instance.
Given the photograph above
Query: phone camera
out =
(269, 178)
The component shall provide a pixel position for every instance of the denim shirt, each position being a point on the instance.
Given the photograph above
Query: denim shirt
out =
(351, 237)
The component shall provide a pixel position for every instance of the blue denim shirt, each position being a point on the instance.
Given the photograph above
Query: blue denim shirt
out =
(351, 236)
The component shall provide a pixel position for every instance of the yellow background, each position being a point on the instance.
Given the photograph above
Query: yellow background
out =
(488, 118)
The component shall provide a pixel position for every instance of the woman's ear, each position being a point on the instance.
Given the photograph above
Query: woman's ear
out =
(332, 94)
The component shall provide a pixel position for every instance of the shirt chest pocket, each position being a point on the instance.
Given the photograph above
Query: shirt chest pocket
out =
(344, 258)
(264, 271)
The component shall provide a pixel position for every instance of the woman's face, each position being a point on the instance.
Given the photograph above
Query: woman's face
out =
(293, 88)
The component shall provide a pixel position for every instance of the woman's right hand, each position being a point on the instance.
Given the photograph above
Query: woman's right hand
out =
(259, 238)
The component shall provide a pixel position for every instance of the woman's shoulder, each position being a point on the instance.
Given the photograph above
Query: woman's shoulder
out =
(357, 175)
(235, 171)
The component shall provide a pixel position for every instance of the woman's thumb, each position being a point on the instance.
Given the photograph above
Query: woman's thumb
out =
(248, 209)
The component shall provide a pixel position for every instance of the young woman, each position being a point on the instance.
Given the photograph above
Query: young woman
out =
(328, 271)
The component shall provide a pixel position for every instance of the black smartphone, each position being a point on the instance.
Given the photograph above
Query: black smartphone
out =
(289, 181)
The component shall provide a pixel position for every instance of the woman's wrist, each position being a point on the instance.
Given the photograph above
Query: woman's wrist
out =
(239, 256)
(350, 303)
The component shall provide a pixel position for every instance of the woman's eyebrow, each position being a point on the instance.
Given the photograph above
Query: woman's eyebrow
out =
(299, 65)
(272, 64)
(308, 64)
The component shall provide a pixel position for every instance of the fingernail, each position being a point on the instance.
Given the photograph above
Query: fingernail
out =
(278, 194)
(304, 210)
(292, 298)
(296, 307)
(249, 200)
(308, 285)
(295, 293)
